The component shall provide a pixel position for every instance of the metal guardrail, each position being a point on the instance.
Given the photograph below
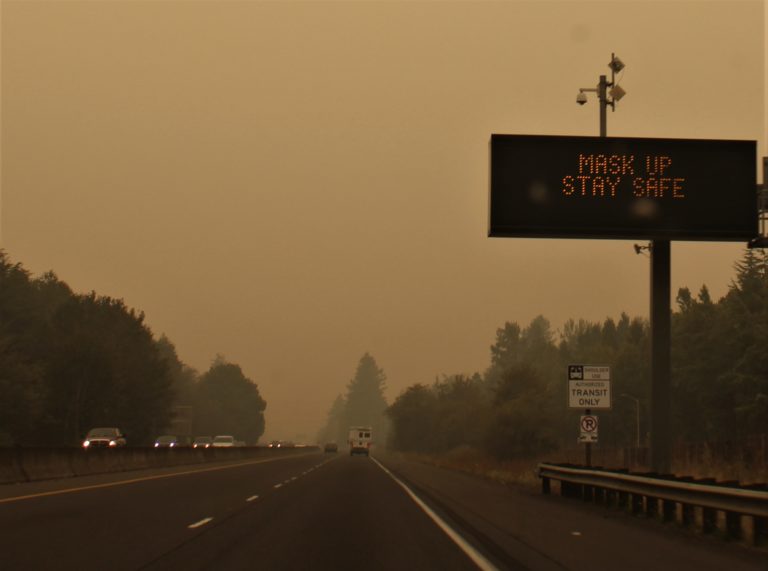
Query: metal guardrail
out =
(646, 493)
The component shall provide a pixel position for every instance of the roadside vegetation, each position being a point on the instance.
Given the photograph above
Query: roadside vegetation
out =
(517, 409)
(70, 362)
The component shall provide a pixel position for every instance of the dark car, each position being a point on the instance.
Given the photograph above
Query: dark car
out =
(105, 437)
(202, 442)
(167, 441)
(331, 447)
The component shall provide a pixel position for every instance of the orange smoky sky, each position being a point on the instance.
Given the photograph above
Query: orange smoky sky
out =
(293, 184)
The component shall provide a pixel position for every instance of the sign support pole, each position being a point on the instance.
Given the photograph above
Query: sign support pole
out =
(661, 365)
(588, 447)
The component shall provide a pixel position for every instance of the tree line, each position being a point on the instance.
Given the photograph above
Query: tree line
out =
(518, 406)
(363, 404)
(70, 362)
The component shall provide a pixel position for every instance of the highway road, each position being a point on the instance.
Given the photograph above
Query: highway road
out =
(334, 512)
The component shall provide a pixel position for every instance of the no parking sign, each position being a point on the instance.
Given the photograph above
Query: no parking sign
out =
(588, 428)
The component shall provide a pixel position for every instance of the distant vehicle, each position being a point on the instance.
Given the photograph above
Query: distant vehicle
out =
(223, 441)
(331, 447)
(167, 441)
(105, 437)
(281, 444)
(202, 442)
(360, 440)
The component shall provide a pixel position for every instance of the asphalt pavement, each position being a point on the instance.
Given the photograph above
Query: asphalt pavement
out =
(318, 511)
(313, 511)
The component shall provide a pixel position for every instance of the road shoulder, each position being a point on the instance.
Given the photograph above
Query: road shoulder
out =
(549, 532)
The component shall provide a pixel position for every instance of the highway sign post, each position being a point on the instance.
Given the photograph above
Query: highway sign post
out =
(589, 387)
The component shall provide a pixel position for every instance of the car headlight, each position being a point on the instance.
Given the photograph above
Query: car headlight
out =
(172, 444)
(86, 444)
(157, 444)
(112, 443)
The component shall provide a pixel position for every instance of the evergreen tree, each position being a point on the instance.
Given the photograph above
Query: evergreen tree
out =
(365, 402)
(335, 429)
(183, 377)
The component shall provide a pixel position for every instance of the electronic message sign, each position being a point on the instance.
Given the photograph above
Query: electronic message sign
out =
(619, 187)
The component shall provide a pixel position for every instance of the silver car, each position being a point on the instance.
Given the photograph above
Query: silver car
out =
(223, 441)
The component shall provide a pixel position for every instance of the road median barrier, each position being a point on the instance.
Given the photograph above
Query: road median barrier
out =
(11, 470)
(19, 465)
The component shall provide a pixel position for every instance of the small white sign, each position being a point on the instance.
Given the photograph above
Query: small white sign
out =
(588, 428)
(589, 372)
(589, 394)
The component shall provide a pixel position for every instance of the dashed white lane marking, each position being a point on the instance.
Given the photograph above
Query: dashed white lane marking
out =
(142, 479)
(295, 477)
(576, 533)
(278, 486)
(200, 523)
(252, 498)
(470, 551)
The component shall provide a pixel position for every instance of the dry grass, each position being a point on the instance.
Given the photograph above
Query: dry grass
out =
(520, 472)
(706, 460)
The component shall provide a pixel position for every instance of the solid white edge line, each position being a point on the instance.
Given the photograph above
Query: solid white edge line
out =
(201, 522)
(476, 557)
(278, 486)
(252, 498)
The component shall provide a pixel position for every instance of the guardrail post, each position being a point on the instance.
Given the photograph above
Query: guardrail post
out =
(623, 500)
(759, 530)
(708, 520)
(759, 524)
(599, 495)
(637, 504)
(732, 519)
(651, 507)
(668, 510)
(545, 486)
(708, 515)
(687, 515)
(733, 525)
(687, 512)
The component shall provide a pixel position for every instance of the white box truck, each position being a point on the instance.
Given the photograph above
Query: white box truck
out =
(359, 440)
